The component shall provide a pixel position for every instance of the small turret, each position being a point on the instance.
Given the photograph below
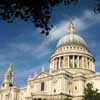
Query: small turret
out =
(8, 79)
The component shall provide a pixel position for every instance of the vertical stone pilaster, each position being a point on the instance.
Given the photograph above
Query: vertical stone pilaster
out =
(52, 65)
(85, 62)
(61, 64)
(56, 64)
(55, 67)
(64, 62)
(89, 64)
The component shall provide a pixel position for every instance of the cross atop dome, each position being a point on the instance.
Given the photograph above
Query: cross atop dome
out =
(71, 28)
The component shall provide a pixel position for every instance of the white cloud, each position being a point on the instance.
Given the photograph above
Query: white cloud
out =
(90, 15)
(61, 28)
(38, 50)
(87, 19)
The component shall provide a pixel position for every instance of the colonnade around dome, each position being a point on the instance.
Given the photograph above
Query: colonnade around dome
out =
(72, 61)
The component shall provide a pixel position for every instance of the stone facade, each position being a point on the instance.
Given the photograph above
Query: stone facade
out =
(72, 66)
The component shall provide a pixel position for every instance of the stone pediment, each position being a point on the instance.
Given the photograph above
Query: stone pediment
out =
(42, 75)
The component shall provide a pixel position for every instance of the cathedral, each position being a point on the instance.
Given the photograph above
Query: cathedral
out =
(72, 66)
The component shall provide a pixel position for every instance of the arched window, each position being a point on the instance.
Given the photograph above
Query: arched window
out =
(42, 86)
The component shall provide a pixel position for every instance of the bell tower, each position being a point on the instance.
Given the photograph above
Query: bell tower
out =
(8, 79)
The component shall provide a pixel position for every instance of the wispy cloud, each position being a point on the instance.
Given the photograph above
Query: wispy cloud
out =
(38, 50)
(41, 49)
(87, 19)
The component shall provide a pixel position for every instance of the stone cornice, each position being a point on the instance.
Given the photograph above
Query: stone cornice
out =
(58, 75)
(71, 53)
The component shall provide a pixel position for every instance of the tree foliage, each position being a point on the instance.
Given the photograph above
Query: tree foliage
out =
(91, 93)
(97, 6)
(37, 11)
(67, 99)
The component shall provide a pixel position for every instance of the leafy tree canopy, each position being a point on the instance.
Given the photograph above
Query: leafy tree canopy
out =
(67, 99)
(91, 93)
(37, 11)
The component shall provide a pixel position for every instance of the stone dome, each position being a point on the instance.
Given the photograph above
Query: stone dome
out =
(72, 54)
(71, 39)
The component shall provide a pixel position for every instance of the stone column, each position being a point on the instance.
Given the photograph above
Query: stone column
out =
(73, 61)
(89, 64)
(86, 63)
(55, 64)
(59, 63)
(83, 62)
(78, 62)
(64, 62)
(68, 61)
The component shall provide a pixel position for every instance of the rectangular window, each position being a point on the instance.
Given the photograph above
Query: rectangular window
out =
(42, 86)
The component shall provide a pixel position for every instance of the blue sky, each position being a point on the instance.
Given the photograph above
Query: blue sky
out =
(22, 45)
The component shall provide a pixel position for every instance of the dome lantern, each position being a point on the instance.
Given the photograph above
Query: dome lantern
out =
(71, 28)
